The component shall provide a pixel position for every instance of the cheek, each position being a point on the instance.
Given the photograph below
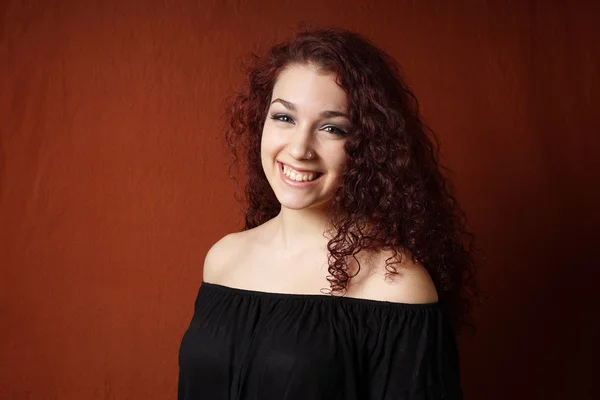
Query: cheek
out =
(264, 153)
(271, 142)
(265, 141)
(268, 149)
(340, 160)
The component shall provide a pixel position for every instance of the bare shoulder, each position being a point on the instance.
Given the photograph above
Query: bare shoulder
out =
(412, 284)
(220, 256)
(223, 259)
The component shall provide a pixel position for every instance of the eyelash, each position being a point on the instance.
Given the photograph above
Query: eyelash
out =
(281, 117)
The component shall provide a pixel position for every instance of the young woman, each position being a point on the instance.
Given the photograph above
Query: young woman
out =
(351, 276)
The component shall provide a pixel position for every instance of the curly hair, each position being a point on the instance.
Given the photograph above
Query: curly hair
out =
(392, 194)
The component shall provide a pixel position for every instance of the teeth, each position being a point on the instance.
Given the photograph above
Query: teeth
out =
(297, 176)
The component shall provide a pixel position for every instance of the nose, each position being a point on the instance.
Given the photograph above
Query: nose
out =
(300, 146)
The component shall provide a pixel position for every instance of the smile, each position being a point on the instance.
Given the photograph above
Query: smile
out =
(298, 178)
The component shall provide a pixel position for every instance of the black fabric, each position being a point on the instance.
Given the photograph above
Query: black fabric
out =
(243, 344)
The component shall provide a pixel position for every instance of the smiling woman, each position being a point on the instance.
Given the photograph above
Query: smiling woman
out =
(351, 276)
(302, 143)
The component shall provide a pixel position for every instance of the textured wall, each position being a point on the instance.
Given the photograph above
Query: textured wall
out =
(113, 182)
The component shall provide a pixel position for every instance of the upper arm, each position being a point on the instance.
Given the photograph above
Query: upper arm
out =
(413, 353)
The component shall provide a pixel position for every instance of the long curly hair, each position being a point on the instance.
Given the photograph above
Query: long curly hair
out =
(392, 194)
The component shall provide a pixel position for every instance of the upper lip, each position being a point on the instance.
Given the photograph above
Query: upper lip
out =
(300, 169)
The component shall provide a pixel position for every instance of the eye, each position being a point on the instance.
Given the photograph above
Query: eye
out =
(334, 130)
(282, 117)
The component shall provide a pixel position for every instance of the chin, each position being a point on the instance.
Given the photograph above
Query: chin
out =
(295, 204)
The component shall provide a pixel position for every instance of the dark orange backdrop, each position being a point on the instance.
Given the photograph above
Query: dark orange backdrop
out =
(113, 185)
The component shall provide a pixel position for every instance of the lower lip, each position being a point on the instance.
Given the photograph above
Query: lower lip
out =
(301, 184)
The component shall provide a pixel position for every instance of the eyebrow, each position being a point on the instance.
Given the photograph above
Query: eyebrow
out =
(324, 114)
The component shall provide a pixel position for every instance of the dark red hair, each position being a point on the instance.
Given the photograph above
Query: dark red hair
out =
(393, 193)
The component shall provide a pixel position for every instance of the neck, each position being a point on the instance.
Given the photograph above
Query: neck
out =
(298, 230)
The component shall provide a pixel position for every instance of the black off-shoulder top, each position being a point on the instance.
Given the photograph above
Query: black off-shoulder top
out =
(243, 344)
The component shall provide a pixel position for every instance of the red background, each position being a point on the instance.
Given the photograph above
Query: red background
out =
(113, 179)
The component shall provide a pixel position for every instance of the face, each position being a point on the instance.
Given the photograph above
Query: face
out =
(302, 146)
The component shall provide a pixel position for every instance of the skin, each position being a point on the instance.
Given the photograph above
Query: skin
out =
(306, 127)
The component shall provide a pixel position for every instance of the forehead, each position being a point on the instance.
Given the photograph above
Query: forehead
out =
(307, 87)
